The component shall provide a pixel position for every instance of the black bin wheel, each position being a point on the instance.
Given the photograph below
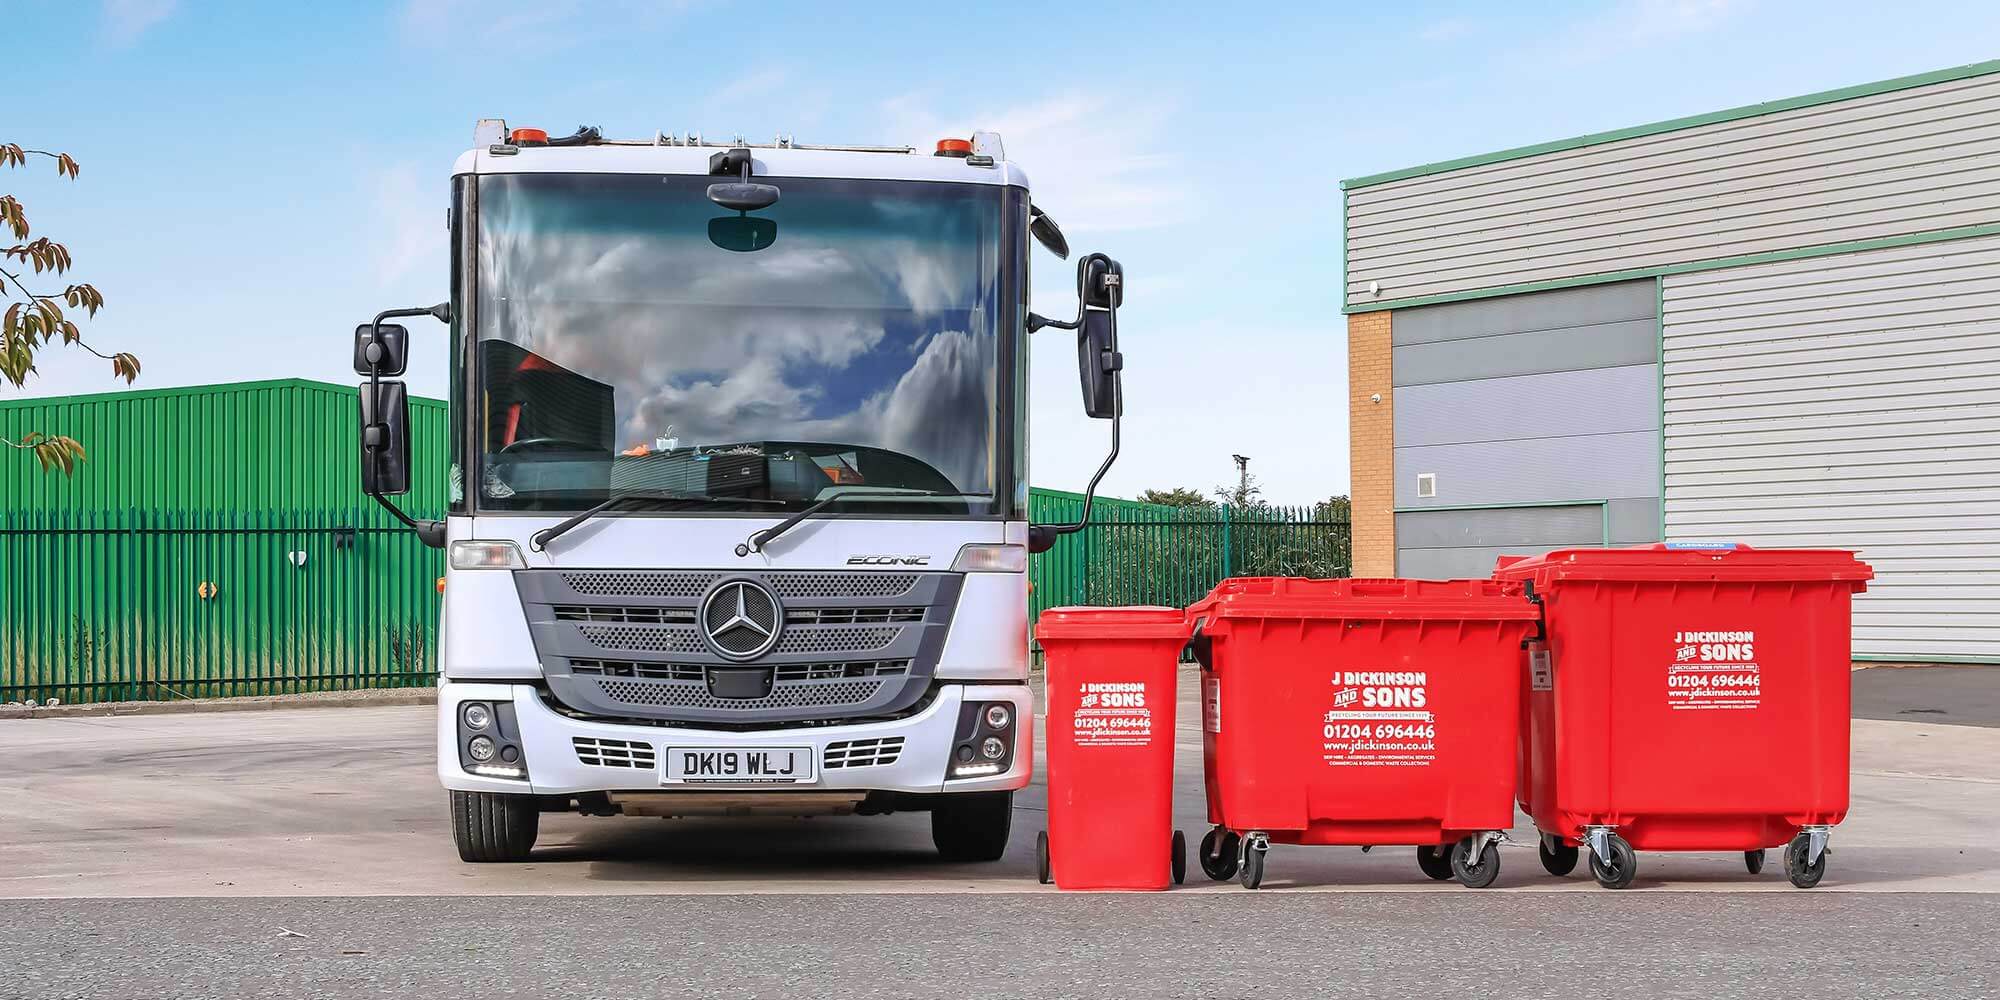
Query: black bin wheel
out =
(1558, 858)
(1218, 854)
(1803, 875)
(1475, 872)
(1178, 859)
(1042, 857)
(1251, 875)
(1754, 860)
(1435, 861)
(1618, 870)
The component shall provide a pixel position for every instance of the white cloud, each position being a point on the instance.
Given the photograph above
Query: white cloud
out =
(408, 224)
(126, 20)
(543, 24)
(1098, 161)
(1639, 23)
(1447, 29)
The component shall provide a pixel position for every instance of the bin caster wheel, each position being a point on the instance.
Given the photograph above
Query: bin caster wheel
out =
(1616, 871)
(1251, 872)
(1218, 854)
(1434, 861)
(1803, 875)
(1042, 857)
(1475, 872)
(1753, 860)
(1178, 860)
(1558, 858)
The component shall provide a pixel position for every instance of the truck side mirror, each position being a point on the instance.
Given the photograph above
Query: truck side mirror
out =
(390, 352)
(1097, 359)
(385, 439)
(1100, 289)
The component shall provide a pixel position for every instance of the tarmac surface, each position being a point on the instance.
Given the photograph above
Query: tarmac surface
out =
(170, 855)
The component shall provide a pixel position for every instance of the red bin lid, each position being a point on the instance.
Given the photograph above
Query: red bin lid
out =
(1128, 622)
(1688, 562)
(1367, 599)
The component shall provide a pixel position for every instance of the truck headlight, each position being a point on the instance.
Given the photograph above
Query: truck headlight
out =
(474, 553)
(998, 716)
(981, 558)
(489, 740)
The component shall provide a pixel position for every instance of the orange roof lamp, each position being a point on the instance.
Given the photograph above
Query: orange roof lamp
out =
(960, 148)
(530, 136)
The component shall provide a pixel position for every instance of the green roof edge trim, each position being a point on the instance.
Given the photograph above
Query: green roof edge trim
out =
(1686, 267)
(1675, 124)
(207, 389)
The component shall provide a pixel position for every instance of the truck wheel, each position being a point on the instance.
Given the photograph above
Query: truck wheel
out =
(1617, 871)
(1803, 875)
(1558, 858)
(972, 826)
(1479, 872)
(489, 826)
(1434, 861)
(1218, 854)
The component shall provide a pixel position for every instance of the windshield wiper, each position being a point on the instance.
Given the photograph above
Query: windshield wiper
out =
(540, 540)
(761, 538)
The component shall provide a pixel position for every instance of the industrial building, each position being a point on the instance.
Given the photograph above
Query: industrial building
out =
(1777, 325)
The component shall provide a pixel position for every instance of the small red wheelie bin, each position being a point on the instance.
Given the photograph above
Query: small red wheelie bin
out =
(1689, 697)
(1361, 712)
(1110, 696)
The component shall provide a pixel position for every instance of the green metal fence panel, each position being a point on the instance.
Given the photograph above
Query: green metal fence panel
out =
(1135, 553)
(286, 444)
(151, 605)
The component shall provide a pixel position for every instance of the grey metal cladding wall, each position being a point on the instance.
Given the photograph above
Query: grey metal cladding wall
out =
(1596, 327)
(1533, 470)
(1551, 404)
(1851, 402)
(1907, 161)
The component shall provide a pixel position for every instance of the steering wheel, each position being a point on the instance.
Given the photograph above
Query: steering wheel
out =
(535, 444)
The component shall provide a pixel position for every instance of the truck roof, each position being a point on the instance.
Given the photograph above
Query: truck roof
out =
(675, 155)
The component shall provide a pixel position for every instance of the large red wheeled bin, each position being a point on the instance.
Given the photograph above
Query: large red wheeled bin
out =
(1689, 697)
(1110, 693)
(1360, 712)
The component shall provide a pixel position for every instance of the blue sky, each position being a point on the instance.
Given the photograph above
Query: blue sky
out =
(259, 177)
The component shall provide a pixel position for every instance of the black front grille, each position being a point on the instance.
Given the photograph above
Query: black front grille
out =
(784, 673)
(853, 616)
(635, 616)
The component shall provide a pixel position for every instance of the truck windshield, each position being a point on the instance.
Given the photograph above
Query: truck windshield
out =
(619, 350)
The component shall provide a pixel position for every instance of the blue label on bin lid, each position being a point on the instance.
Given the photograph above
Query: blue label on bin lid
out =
(1723, 546)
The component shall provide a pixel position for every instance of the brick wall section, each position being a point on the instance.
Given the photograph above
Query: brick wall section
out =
(1372, 445)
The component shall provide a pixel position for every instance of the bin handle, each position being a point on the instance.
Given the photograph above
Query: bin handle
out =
(1541, 614)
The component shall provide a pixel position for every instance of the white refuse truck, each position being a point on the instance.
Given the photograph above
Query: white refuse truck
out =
(738, 506)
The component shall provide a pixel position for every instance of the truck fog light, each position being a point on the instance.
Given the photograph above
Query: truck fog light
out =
(477, 716)
(997, 717)
(481, 749)
(993, 748)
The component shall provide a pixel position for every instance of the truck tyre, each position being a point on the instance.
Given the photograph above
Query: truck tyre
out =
(972, 826)
(492, 827)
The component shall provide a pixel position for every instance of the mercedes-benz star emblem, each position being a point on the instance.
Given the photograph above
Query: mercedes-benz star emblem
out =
(740, 619)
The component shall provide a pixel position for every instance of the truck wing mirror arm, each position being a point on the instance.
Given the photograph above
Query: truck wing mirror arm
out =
(385, 418)
(1100, 291)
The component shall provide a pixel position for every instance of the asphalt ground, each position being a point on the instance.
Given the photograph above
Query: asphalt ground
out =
(171, 855)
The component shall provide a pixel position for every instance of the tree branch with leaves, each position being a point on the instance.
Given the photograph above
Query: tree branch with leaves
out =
(36, 317)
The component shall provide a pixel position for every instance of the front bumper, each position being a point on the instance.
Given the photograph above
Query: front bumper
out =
(554, 767)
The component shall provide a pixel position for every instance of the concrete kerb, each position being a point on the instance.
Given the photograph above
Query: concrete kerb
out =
(371, 698)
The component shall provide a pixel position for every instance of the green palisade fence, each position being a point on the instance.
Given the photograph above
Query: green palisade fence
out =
(111, 605)
(1137, 553)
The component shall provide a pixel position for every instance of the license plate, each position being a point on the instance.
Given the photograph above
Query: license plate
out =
(741, 765)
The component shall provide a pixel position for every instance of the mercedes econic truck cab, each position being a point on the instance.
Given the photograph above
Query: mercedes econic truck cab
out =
(738, 479)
